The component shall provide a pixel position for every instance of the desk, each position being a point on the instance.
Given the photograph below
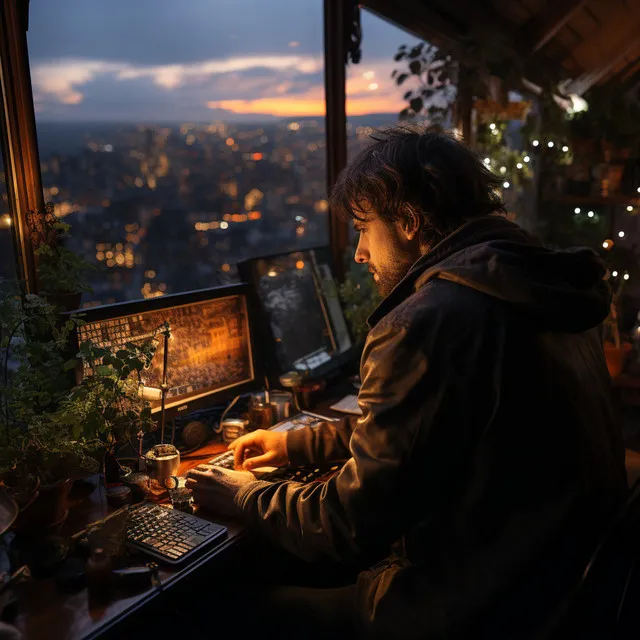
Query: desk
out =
(46, 613)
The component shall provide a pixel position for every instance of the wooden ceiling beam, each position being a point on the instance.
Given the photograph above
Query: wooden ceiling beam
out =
(593, 76)
(544, 26)
(418, 18)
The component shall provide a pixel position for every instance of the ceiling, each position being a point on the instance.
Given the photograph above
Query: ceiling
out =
(587, 42)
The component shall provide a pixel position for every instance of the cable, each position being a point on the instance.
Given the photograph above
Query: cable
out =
(224, 413)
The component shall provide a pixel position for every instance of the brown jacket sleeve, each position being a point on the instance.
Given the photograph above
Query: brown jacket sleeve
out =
(357, 514)
(326, 442)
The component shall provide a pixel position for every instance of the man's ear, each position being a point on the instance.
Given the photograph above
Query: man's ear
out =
(411, 224)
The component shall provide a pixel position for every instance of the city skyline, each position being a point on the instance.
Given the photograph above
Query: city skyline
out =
(117, 63)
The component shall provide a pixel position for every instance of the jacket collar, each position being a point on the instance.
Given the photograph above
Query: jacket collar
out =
(426, 267)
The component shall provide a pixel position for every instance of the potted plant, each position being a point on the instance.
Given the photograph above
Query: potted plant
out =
(62, 274)
(49, 453)
(53, 432)
(34, 347)
(359, 298)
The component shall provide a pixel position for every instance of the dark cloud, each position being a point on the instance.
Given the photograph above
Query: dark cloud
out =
(170, 31)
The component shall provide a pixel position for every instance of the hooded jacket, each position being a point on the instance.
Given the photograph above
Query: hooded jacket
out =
(486, 463)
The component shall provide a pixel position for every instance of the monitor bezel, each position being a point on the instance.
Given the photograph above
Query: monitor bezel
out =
(272, 367)
(214, 398)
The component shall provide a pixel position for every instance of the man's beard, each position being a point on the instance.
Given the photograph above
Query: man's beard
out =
(387, 280)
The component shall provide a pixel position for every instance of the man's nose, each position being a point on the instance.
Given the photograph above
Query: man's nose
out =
(361, 256)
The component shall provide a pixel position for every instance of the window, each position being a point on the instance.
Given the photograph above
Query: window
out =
(374, 100)
(8, 271)
(179, 138)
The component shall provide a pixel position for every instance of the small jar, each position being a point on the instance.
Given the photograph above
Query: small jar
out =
(260, 415)
(233, 428)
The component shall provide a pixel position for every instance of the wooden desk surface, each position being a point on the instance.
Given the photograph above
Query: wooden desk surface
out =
(45, 612)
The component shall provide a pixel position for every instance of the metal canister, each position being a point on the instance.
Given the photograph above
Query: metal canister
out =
(233, 428)
(162, 461)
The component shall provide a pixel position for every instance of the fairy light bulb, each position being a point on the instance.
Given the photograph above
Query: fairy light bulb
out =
(591, 214)
(549, 144)
(615, 274)
(492, 126)
(626, 276)
(519, 165)
(535, 143)
(506, 185)
(620, 234)
(526, 159)
(576, 210)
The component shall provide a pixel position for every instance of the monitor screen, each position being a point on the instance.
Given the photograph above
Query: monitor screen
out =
(210, 349)
(300, 301)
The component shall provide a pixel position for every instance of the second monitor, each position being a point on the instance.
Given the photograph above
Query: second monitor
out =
(301, 308)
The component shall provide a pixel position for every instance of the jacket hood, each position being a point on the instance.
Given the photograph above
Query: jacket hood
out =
(559, 290)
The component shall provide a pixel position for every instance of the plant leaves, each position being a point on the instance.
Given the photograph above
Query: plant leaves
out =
(416, 105)
(415, 67)
(401, 78)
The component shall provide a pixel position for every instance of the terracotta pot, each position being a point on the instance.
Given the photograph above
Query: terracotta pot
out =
(49, 508)
(616, 357)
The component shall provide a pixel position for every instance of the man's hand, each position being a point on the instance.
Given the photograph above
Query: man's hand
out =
(215, 489)
(259, 449)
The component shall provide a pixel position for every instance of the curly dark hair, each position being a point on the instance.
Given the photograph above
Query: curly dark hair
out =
(419, 171)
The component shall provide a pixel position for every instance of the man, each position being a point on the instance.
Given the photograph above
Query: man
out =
(486, 463)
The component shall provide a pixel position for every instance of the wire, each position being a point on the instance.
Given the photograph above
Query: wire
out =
(224, 413)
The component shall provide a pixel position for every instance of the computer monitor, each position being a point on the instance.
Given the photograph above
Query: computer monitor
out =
(300, 306)
(211, 349)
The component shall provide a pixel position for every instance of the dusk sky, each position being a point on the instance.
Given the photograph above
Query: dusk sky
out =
(161, 60)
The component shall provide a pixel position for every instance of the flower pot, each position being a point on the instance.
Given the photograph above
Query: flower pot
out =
(48, 510)
(616, 358)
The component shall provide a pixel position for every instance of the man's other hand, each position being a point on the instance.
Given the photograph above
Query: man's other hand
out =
(215, 489)
(260, 448)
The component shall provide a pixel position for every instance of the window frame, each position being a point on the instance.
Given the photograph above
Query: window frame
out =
(18, 139)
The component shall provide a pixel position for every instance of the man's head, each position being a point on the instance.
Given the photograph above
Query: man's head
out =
(405, 192)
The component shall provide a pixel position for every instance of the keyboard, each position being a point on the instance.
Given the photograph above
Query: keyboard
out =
(225, 460)
(348, 404)
(273, 474)
(170, 535)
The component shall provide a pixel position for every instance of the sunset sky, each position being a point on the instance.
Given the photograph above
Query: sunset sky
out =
(159, 60)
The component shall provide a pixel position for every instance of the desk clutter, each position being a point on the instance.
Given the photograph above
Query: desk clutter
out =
(94, 482)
